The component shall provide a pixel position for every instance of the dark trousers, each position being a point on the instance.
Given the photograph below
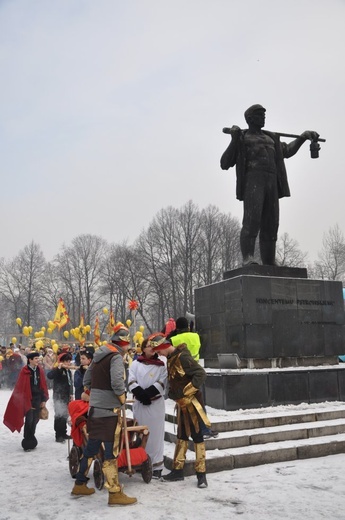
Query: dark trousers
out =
(31, 420)
(91, 449)
(260, 213)
(196, 436)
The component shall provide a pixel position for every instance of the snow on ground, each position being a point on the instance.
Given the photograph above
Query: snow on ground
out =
(36, 485)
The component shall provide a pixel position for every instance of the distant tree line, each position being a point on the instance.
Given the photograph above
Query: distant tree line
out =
(182, 249)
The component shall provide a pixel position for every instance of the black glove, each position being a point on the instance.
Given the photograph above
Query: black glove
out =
(141, 395)
(151, 391)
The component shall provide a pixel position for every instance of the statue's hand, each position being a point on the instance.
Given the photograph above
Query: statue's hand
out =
(309, 134)
(235, 131)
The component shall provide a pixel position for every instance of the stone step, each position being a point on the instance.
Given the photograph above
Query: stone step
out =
(270, 419)
(255, 455)
(250, 437)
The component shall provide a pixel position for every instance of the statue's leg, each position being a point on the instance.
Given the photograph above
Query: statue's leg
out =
(252, 210)
(269, 223)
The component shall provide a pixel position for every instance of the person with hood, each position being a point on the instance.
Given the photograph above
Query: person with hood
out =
(105, 380)
(185, 377)
(29, 395)
(62, 394)
(147, 382)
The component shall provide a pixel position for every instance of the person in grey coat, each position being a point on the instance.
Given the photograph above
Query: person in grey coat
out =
(105, 380)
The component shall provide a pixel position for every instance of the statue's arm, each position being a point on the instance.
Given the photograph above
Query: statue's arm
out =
(292, 148)
(228, 158)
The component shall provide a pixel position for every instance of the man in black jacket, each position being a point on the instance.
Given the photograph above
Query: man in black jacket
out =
(62, 394)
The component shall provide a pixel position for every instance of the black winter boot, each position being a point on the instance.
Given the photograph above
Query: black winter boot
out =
(174, 475)
(202, 482)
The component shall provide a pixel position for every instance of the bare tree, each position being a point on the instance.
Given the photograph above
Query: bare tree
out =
(21, 284)
(187, 244)
(79, 267)
(288, 252)
(331, 262)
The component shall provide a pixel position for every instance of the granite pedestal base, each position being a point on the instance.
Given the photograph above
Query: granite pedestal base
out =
(271, 316)
(232, 390)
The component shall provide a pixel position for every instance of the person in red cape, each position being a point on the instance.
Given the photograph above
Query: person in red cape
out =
(29, 395)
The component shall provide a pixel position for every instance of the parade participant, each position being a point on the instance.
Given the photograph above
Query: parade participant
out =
(105, 379)
(14, 364)
(85, 360)
(185, 377)
(182, 334)
(147, 382)
(62, 394)
(28, 397)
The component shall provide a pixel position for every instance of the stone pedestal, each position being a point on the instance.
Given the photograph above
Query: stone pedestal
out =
(271, 316)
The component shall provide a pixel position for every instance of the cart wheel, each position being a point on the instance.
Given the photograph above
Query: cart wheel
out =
(146, 470)
(98, 476)
(73, 461)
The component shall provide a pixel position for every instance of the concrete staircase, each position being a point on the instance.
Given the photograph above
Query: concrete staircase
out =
(267, 438)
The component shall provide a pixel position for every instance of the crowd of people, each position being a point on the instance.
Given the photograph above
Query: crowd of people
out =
(166, 365)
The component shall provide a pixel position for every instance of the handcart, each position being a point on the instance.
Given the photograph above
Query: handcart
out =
(132, 458)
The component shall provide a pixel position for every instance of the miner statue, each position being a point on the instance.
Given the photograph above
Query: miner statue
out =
(261, 179)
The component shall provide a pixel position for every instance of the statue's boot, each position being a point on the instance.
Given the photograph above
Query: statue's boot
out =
(268, 252)
(247, 249)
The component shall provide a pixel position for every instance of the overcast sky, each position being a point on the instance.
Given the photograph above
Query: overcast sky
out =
(112, 110)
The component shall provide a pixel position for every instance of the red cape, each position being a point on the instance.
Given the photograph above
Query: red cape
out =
(20, 400)
(77, 409)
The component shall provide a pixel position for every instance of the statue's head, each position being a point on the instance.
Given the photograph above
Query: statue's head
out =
(255, 111)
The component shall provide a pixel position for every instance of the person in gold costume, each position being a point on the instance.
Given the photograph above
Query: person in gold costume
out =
(185, 377)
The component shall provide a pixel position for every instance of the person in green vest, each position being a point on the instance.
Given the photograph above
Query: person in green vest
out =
(182, 334)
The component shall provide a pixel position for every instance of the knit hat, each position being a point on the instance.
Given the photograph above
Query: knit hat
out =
(181, 323)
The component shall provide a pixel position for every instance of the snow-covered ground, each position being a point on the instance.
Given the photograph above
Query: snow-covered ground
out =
(37, 485)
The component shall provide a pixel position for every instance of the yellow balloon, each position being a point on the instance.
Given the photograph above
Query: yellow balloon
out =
(55, 348)
(26, 331)
(52, 342)
(39, 344)
(141, 328)
(104, 343)
(49, 330)
(105, 310)
(87, 328)
(66, 334)
(128, 323)
(41, 334)
(19, 322)
(36, 335)
(30, 329)
(14, 340)
(43, 328)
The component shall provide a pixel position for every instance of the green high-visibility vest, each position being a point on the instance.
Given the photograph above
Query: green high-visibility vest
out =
(191, 339)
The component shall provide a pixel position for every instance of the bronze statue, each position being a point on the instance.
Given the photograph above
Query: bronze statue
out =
(261, 179)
